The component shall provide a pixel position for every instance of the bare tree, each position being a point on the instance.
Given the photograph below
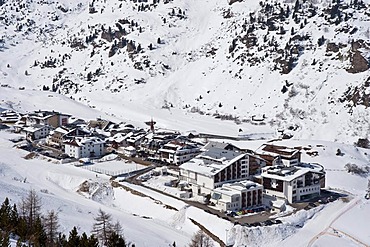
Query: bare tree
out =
(30, 208)
(117, 228)
(103, 228)
(200, 239)
(51, 226)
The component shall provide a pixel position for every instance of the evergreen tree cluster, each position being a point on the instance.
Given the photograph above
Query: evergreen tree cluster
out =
(29, 227)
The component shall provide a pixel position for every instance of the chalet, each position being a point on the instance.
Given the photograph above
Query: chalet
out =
(177, 153)
(238, 195)
(136, 138)
(51, 118)
(278, 155)
(55, 138)
(122, 129)
(293, 183)
(37, 131)
(101, 124)
(165, 135)
(222, 145)
(61, 134)
(217, 166)
(84, 147)
(119, 140)
(129, 151)
(73, 121)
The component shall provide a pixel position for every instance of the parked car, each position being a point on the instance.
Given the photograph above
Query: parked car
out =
(269, 223)
(259, 209)
(231, 214)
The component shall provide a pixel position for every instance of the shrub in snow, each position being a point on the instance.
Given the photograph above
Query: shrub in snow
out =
(363, 143)
(355, 169)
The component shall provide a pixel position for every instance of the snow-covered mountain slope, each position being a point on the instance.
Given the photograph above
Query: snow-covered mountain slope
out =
(147, 221)
(299, 66)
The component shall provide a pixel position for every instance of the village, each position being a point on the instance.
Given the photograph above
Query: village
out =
(241, 184)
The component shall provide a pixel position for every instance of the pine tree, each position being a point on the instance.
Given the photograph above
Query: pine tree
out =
(84, 242)
(22, 229)
(14, 217)
(39, 236)
(74, 238)
(116, 240)
(61, 240)
(93, 242)
(4, 239)
(5, 212)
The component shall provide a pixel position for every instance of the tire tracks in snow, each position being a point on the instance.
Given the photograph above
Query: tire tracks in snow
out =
(326, 230)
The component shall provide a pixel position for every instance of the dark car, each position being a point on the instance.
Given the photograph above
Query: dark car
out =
(231, 214)
(269, 223)
(260, 209)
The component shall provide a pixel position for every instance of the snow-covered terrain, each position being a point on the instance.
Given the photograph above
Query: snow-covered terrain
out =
(299, 67)
(263, 67)
(77, 194)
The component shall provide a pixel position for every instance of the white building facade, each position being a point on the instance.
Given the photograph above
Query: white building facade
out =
(37, 132)
(237, 196)
(294, 183)
(85, 147)
(213, 168)
(178, 153)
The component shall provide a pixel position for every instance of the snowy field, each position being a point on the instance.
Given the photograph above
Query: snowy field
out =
(114, 167)
(60, 184)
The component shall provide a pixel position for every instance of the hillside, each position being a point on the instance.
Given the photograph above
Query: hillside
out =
(299, 67)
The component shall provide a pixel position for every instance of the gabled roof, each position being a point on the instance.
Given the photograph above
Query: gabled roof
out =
(221, 145)
(61, 130)
(275, 151)
(82, 141)
(36, 127)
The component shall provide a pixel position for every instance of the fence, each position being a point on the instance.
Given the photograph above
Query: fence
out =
(125, 172)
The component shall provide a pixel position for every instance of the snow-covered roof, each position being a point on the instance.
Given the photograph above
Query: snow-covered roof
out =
(130, 148)
(221, 145)
(60, 130)
(242, 185)
(274, 150)
(82, 141)
(231, 189)
(290, 173)
(36, 127)
(212, 161)
(44, 114)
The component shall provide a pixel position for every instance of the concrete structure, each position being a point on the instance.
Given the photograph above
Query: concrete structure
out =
(177, 153)
(215, 167)
(9, 117)
(293, 183)
(85, 147)
(237, 196)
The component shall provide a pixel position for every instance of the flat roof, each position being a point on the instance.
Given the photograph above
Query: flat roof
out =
(212, 161)
(290, 173)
